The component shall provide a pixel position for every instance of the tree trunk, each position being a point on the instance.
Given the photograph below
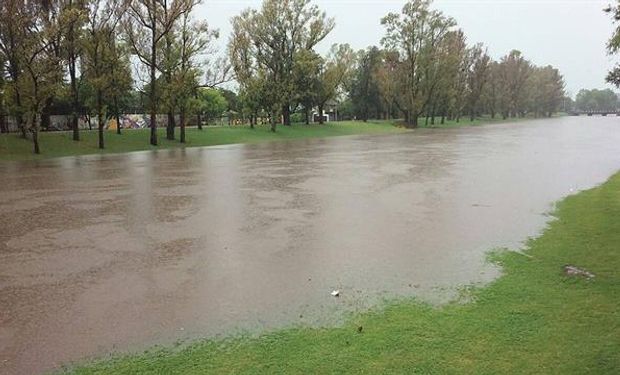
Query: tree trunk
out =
(46, 115)
(34, 128)
(182, 125)
(35, 140)
(153, 78)
(321, 119)
(20, 124)
(286, 114)
(170, 126)
(273, 123)
(307, 112)
(75, 101)
(117, 115)
(100, 119)
(199, 122)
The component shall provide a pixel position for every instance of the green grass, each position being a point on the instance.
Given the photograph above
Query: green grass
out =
(532, 320)
(56, 144)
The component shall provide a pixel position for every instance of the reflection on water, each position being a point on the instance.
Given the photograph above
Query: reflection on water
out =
(120, 252)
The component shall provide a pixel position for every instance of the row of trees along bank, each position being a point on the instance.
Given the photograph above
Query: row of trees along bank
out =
(81, 52)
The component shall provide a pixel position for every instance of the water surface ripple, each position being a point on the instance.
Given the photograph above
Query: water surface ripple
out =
(120, 252)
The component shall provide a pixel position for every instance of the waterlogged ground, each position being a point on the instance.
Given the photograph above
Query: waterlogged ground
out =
(120, 252)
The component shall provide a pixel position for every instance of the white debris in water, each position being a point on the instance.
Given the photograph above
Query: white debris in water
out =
(336, 293)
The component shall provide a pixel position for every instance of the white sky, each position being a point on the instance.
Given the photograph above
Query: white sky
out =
(568, 34)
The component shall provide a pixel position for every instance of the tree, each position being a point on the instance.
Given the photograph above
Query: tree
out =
(613, 45)
(3, 123)
(147, 24)
(41, 74)
(459, 62)
(365, 91)
(597, 100)
(416, 34)
(15, 26)
(264, 43)
(477, 78)
(194, 40)
(211, 103)
(491, 94)
(72, 16)
(514, 72)
(307, 71)
(333, 74)
(106, 72)
(388, 82)
(252, 98)
(546, 91)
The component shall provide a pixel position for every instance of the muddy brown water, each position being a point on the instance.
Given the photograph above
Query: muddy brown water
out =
(117, 253)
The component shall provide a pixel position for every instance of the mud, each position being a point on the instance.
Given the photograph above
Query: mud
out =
(116, 253)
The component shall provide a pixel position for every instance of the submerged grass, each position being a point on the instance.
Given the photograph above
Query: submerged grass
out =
(532, 320)
(56, 144)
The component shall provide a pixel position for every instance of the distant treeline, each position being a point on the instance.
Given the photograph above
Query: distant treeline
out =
(596, 100)
(103, 58)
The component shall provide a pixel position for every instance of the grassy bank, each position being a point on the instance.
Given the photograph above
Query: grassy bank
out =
(534, 319)
(55, 144)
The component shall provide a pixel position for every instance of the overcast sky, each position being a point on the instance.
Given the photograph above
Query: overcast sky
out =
(568, 34)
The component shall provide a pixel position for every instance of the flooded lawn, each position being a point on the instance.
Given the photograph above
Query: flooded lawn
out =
(121, 252)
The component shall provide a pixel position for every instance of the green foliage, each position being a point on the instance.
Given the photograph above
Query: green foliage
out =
(613, 45)
(597, 100)
(265, 46)
(211, 103)
(416, 34)
(365, 91)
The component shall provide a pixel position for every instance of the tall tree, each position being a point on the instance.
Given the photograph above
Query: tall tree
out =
(514, 72)
(415, 34)
(597, 100)
(365, 91)
(267, 40)
(307, 71)
(40, 63)
(333, 75)
(147, 24)
(478, 76)
(546, 91)
(73, 14)
(106, 72)
(16, 20)
(194, 40)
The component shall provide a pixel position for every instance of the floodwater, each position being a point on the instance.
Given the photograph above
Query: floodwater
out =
(116, 253)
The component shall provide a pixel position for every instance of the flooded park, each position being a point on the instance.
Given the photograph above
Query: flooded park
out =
(117, 253)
